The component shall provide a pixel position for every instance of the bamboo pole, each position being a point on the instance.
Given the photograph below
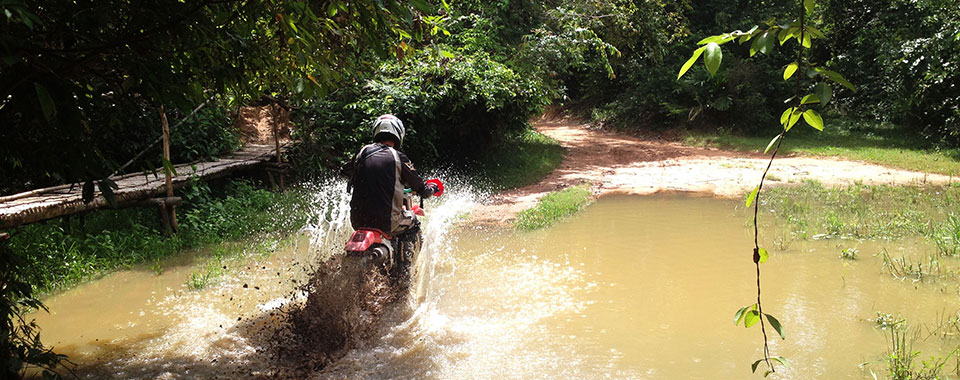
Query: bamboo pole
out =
(276, 129)
(277, 110)
(170, 209)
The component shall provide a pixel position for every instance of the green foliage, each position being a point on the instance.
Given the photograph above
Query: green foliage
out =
(902, 54)
(457, 98)
(20, 346)
(914, 268)
(454, 105)
(517, 160)
(849, 253)
(901, 357)
(553, 207)
(61, 253)
(80, 81)
(750, 315)
(206, 135)
(911, 77)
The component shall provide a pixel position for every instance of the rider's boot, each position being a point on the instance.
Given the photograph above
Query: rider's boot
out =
(405, 252)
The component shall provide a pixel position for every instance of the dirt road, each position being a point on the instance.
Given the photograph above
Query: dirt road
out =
(613, 163)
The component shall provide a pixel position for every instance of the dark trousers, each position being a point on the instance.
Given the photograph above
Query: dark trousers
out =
(406, 247)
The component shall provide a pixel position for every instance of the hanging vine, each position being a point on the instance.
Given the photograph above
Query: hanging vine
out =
(763, 40)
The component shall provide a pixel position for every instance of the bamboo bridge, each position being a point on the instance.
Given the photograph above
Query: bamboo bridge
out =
(133, 190)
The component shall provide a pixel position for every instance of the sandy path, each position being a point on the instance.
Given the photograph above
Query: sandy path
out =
(614, 163)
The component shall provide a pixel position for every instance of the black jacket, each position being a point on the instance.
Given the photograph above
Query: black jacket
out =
(378, 174)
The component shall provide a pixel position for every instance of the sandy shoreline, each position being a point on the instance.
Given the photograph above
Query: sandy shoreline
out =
(614, 163)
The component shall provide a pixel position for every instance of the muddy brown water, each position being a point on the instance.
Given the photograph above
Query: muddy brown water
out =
(632, 287)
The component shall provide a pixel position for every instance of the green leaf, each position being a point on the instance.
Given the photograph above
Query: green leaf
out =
(816, 33)
(690, 62)
(47, 105)
(807, 41)
(787, 33)
(168, 166)
(753, 367)
(751, 318)
(785, 116)
(808, 5)
(752, 196)
(332, 9)
(824, 92)
(791, 68)
(794, 118)
(422, 6)
(709, 40)
(109, 183)
(107, 190)
(770, 145)
(836, 77)
(447, 54)
(763, 255)
(776, 325)
(764, 43)
(712, 57)
(813, 118)
(810, 99)
(739, 315)
(782, 360)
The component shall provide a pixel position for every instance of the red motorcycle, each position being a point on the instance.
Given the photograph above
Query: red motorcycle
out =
(391, 253)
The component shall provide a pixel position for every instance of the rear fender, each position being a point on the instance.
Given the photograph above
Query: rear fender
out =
(364, 239)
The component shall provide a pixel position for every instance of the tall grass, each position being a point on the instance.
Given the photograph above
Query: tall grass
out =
(875, 212)
(553, 207)
(901, 357)
(517, 161)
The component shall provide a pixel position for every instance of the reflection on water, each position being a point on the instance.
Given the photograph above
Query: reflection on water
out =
(633, 287)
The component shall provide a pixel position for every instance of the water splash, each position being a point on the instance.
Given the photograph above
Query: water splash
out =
(347, 297)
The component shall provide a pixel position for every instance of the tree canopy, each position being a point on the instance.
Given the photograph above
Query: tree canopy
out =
(82, 82)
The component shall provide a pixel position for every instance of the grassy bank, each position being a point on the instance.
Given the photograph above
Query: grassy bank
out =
(553, 207)
(517, 161)
(872, 142)
(876, 212)
(64, 252)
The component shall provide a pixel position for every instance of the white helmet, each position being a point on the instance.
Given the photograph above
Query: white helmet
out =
(389, 124)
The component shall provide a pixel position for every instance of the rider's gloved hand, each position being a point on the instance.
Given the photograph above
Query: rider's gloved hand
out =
(432, 188)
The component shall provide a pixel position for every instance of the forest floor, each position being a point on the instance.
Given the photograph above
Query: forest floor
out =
(616, 163)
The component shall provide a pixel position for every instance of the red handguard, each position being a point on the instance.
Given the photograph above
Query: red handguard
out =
(436, 181)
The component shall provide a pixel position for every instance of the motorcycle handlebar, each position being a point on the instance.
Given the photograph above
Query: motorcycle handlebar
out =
(434, 181)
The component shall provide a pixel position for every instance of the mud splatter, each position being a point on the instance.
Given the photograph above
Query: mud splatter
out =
(345, 298)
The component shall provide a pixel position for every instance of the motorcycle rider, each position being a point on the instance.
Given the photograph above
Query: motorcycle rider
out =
(378, 175)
